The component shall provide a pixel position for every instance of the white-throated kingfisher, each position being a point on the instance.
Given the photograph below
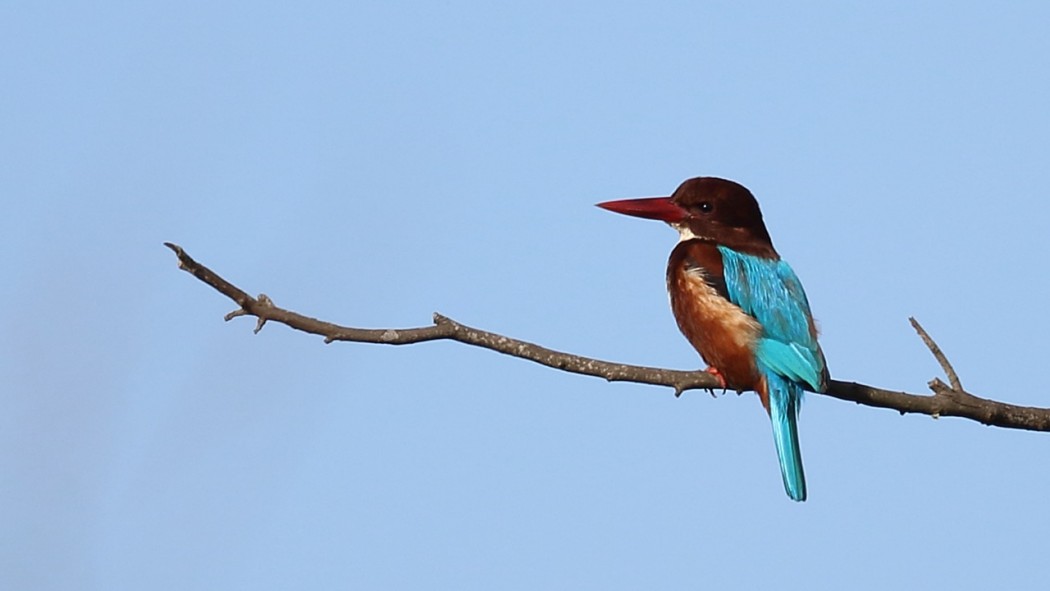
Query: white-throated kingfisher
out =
(740, 305)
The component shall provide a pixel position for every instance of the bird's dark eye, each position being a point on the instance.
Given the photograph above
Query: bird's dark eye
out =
(705, 207)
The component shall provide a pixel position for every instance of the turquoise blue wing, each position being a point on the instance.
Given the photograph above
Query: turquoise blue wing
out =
(770, 291)
(787, 353)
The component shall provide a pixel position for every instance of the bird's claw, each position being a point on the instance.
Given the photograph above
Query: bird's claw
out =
(721, 380)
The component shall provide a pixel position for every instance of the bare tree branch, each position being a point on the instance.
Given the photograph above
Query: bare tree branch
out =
(946, 400)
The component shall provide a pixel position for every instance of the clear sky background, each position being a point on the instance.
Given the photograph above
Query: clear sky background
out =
(370, 164)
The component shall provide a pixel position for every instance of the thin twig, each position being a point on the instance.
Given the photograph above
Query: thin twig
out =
(949, 371)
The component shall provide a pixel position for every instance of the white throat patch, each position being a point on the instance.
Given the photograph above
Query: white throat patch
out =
(684, 233)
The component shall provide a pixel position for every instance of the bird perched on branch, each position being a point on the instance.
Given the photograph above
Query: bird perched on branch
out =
(740, 305)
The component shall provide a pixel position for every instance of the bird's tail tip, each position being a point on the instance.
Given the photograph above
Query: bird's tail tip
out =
(784, 416)
(790, 461)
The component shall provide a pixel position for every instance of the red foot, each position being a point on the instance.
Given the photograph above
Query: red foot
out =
(721, 380)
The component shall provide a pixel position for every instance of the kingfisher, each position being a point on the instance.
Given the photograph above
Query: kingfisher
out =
(740, 305)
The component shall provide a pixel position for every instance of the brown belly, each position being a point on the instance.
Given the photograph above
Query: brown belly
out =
(718, 329)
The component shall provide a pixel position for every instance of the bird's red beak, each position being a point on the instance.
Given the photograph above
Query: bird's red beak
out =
(653, 208)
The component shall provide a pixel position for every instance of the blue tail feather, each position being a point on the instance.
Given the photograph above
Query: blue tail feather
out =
(785, 398)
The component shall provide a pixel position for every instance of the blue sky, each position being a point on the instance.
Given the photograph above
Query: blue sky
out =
(373, 163)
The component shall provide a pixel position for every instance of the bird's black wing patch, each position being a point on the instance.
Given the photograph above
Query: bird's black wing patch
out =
(716, 281)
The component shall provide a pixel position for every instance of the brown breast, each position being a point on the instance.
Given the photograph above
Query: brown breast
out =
(718, 329)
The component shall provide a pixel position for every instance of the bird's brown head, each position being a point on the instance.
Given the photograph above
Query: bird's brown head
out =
(707, 208)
